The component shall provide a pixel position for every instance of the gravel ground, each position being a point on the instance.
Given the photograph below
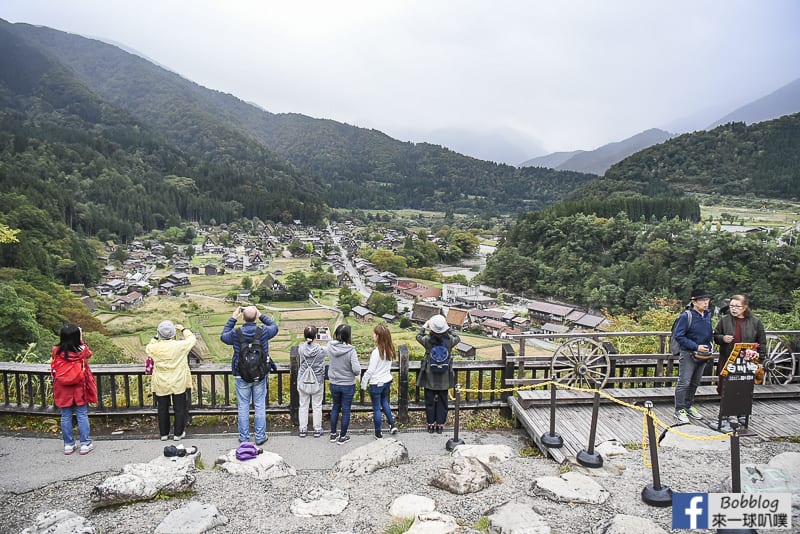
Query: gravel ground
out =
(263, 506)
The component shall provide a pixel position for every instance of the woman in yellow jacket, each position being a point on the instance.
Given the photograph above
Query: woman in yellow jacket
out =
(171, 378)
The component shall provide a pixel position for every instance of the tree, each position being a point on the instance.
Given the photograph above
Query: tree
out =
(8, 235)
(348, 298)
(247, 282)
(297, 284)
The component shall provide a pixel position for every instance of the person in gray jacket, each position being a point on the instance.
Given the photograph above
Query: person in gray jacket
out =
(342, 372)
(435, 377)
(311, 355)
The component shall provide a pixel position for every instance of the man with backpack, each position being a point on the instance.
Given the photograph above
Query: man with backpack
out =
(694, 336)
(436, 372)
(250, 366)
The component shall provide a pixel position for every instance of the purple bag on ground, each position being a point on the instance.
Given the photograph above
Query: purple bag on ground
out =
(247, 451)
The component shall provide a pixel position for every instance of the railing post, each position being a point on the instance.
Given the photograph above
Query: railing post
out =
(507, 351)
(402, 385)
(294, 396)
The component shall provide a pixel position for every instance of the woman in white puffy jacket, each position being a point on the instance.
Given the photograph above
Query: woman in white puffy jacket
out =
(378, 378)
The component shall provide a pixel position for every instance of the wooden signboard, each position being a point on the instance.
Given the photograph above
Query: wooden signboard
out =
(738, 379)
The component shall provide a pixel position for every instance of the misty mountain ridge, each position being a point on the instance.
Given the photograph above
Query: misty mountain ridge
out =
(599, 160)
(783, 101)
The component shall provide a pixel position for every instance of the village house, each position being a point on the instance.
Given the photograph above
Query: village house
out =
(128, 301)
(362, 314)
(210, 270)
(548, 312)
(423, 311)
(178, 279)
(466, 351)
(411, 289)
(458, 319)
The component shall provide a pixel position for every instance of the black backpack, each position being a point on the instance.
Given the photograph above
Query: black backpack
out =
(674, 346)
(253, 363)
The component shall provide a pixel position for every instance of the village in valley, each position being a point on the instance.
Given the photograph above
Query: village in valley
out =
(211, 270)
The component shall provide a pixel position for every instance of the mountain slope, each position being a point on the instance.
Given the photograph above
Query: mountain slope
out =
(784, 101)
(760, 160)
(359, 168)
(93, 164)
(598, 161)
(552, 160)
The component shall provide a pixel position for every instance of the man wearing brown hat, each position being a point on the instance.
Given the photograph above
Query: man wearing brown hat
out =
(695, 337)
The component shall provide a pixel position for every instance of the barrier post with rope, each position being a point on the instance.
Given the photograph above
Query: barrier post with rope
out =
(551, 439)
(588, 457)
(654, 494)
(455, 441)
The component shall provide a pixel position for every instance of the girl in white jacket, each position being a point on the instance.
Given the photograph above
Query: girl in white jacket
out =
(379, 378)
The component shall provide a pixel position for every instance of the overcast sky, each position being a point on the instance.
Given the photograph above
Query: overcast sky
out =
(564, 74)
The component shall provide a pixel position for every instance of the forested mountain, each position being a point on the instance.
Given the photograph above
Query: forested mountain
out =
(760, 160)
(598, 161)
(71, 151)
(784, 101)
(359, 168)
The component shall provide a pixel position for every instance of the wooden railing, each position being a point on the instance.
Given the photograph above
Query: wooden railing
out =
(125, 389)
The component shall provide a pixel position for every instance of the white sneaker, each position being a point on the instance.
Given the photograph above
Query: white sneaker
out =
(69, 449)
(86, 449)
(682, 416)
(178, 438)
(164, 438)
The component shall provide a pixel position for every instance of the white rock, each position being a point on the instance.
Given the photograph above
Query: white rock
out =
(570, 487)
(319, 501)
(139, 482)
(433, 523)
(695, 441)
(463, 475)
(60, 522)
(194, 518)
(409, 506)
(628, 524)
(611, 449)
(517, 518)
(373, 456)
(265, 466)
(486, 453)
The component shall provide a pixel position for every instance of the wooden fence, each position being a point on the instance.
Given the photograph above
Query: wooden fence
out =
(125, 389)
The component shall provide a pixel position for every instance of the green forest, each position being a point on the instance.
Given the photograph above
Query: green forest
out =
(619, 264)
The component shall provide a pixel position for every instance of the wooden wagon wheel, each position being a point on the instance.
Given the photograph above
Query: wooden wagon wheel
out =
(581, 362)
(779, 363)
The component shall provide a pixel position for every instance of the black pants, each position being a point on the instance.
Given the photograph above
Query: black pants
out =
(436, 406)
(180, 406)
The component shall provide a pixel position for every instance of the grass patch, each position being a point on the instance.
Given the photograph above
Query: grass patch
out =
(531, 451)
(564, 468)
(398, 526)
(482, 524)
(786, 439)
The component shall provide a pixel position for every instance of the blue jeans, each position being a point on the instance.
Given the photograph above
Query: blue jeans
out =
(83, 424)
(257, 392)
(689, 375)
(342, 401)
(380, 402)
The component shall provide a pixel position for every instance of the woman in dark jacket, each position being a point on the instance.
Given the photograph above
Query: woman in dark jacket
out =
(738, 326)
(73, 397)
(436, 379)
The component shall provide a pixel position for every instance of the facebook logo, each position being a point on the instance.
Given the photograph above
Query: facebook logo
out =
(689, 510)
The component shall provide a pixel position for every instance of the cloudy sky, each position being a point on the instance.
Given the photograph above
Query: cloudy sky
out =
(540, 75)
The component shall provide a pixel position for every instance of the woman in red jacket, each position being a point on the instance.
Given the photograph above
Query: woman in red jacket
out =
(73, 386)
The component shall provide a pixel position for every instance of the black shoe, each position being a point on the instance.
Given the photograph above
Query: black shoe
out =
(378, 435)
(334, 437)
(393, 430)
(431, 429)
(344, 439)
(438, 429)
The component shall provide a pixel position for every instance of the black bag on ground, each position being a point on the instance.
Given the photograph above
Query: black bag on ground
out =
(253, 363)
